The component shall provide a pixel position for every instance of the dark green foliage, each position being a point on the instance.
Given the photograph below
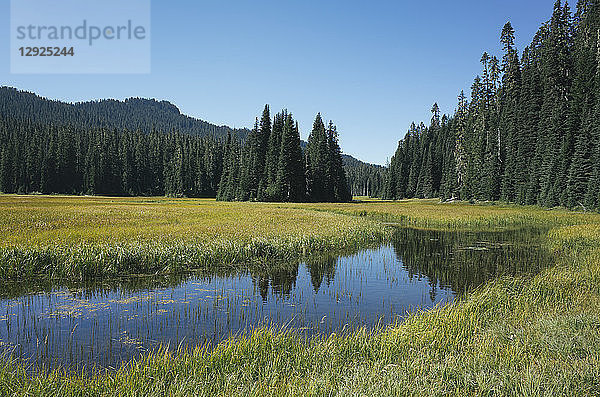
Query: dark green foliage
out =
(364, 179)
(108, 147)
(339, 191)
(530, 133)
(317, 161)
(254, 173)
(419, 167)
(49, 159)
(271, 191)
(290, 181)
(144, 147)
(326, 176)
(228, 187)
(272, 166)
(513, 155)
(136, 114)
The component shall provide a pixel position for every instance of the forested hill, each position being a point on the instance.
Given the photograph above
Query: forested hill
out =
(134, 114)
(365, 179)
(131, 147)
(529, 133)
(131, 114)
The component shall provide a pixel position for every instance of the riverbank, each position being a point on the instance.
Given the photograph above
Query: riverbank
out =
(530, 335)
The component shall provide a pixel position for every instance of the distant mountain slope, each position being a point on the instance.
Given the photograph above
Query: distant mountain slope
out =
(33, 124)
(133, 114)
(350, 161)
(364, 179)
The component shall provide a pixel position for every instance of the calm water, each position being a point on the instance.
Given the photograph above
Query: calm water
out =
(105, 323)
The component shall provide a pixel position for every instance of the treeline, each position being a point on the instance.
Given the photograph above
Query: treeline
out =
(272, 166)
(47, 159)
(418, 167)
(529, 133)
(269, 165)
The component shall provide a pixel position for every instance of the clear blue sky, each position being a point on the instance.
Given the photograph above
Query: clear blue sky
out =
(370, 66)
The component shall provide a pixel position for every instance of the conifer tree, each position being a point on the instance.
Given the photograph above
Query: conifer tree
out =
(336, 174)
(582, 166)
(509, 98)
(290, 182)
(460, 147)
(271, 191)
(226, 186)
(317, 158)
(556, 73)
(414, 160)
(261, 158)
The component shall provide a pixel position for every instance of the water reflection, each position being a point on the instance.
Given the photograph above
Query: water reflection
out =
(104, 323)
(281, 281)
(464, 260)
(321, 269)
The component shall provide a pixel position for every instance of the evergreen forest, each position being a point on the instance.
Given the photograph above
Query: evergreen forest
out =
(528, 134)
(95, 148)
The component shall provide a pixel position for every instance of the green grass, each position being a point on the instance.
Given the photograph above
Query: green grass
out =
(83, 237)
(537, 335)
(432, 214)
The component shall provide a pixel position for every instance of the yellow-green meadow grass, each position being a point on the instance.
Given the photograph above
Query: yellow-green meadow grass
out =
(529, 335)
(83, 237)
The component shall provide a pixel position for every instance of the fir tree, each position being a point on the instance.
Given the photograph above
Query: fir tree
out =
(290, 182)
(317, 157)
(336, 174)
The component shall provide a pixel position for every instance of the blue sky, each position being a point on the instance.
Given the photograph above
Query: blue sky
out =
(370, 66)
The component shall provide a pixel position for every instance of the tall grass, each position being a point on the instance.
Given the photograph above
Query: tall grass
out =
(537, 335)
(82, 238)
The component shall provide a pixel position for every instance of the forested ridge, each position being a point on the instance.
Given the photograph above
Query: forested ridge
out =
(136, 114)
(47, 159)
(145, 147)
(530, 132)
(364, 179)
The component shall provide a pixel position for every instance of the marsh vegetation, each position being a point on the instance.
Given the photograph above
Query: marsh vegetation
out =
(383, 297)
(101, 324)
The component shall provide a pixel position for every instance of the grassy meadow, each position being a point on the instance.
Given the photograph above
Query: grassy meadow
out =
(532, 335)
(85, 237)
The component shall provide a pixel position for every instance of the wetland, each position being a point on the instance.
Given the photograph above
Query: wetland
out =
(103, 323)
